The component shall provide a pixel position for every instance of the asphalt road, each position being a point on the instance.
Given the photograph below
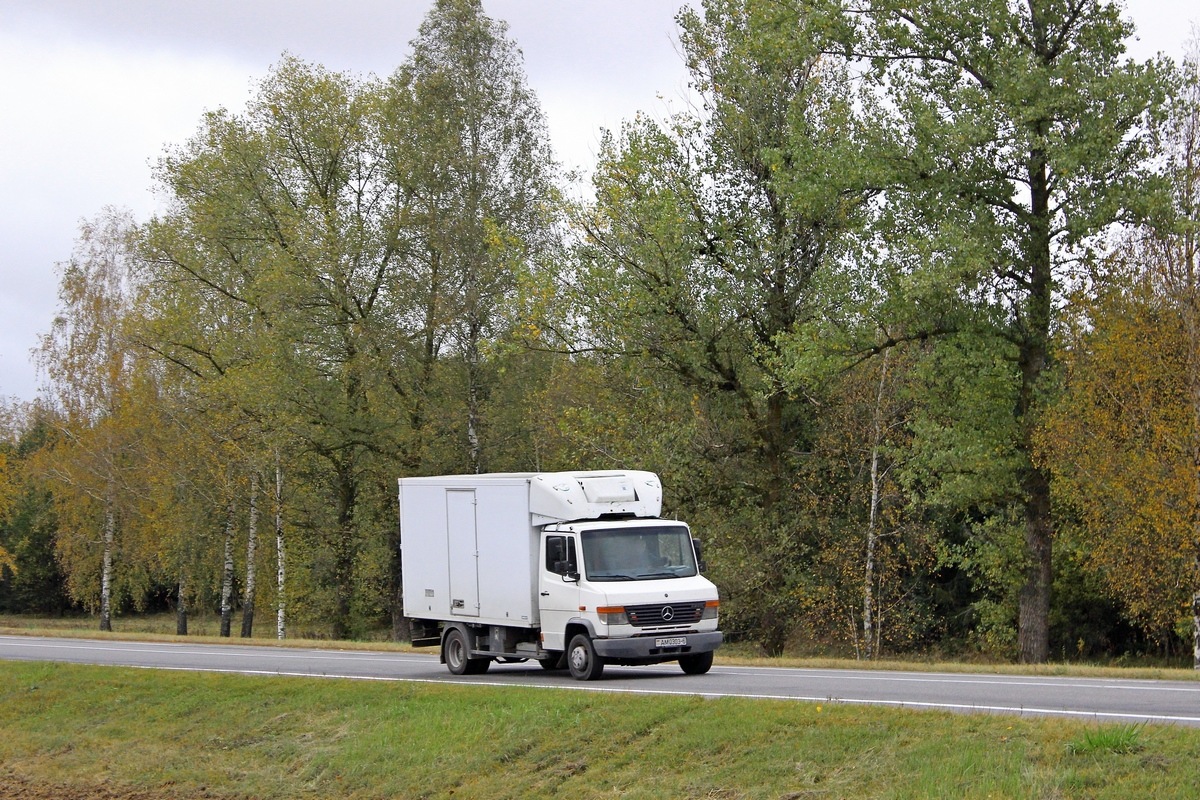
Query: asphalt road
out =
(1100, 699)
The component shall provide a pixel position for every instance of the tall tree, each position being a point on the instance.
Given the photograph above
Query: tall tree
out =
(275, 281)
(708, 242)
(90, 364)
(470, 155)
(465, 145)
(1026, 132)
(327, 252)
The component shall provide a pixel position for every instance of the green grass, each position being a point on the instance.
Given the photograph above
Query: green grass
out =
(182, 735)
(1109, 739)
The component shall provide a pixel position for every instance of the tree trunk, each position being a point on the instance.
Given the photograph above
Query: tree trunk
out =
(181, 612)
(868, 633)
(869, 600)
(280, 561)
(475, 448)
(1033, 622)
(1033, 329)
(106, 564)
(1196, 627)
(227, 574)
(344, 551)
(251, 557)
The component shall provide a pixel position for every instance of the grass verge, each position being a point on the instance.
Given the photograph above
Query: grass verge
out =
(96, 731)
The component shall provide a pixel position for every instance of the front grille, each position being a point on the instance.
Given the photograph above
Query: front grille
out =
(664, 614)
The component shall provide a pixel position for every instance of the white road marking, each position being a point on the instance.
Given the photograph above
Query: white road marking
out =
(793, 675)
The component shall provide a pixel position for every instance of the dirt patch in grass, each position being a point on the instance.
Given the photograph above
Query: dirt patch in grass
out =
(13, 787)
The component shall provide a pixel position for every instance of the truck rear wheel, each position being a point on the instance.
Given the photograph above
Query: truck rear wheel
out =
(697, 664)
(456, 653)
(582, 660)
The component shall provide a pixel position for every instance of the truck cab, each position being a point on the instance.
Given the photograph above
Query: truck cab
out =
(628, 593)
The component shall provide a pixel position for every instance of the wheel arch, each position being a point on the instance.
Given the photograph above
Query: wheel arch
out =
(576, 626)
(468, 635)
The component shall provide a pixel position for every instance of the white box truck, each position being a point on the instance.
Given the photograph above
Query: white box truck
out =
(574, 570)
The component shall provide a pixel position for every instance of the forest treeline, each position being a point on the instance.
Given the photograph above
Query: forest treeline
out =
(904, 311)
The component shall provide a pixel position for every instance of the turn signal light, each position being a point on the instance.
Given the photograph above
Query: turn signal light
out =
(612, 615)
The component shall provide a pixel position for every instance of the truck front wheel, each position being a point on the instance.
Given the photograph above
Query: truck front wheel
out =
(697, 664)
(456, 654)
(585, 665)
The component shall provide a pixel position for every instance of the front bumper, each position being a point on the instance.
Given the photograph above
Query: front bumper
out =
(644, 648)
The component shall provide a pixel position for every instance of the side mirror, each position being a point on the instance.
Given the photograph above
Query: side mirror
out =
(567, 569)
(698, 546)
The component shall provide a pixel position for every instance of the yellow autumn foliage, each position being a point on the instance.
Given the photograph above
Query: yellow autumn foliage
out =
(1122, 443)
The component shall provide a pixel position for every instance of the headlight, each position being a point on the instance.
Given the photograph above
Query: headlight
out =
(612, 615)
(711, 608)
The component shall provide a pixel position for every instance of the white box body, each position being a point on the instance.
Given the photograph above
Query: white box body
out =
(470, 543)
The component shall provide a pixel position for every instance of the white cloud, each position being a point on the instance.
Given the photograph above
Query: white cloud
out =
(83, 124)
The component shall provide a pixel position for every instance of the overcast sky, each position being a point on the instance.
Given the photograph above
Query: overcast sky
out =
(93, 91)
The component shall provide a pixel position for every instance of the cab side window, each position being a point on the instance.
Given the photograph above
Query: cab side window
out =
(560, 554)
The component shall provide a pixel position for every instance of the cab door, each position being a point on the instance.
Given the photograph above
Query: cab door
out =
(558, 587)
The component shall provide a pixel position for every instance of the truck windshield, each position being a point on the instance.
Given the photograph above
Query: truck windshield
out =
(638, 553)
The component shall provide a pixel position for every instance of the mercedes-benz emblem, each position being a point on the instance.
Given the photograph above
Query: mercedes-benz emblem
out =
(668, 613)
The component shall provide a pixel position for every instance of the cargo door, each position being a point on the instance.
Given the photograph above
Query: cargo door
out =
(463, 555)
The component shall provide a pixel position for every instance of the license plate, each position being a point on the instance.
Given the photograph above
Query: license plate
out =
(674, 641)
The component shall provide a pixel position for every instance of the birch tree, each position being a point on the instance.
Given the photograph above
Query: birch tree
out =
(90, 367)
(280, 558)
(227, 570)
(250, 586)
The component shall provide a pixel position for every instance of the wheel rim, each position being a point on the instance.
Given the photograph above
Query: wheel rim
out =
(454, 651)
(579, 658)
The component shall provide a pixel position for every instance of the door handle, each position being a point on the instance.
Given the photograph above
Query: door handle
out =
(545, 594)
